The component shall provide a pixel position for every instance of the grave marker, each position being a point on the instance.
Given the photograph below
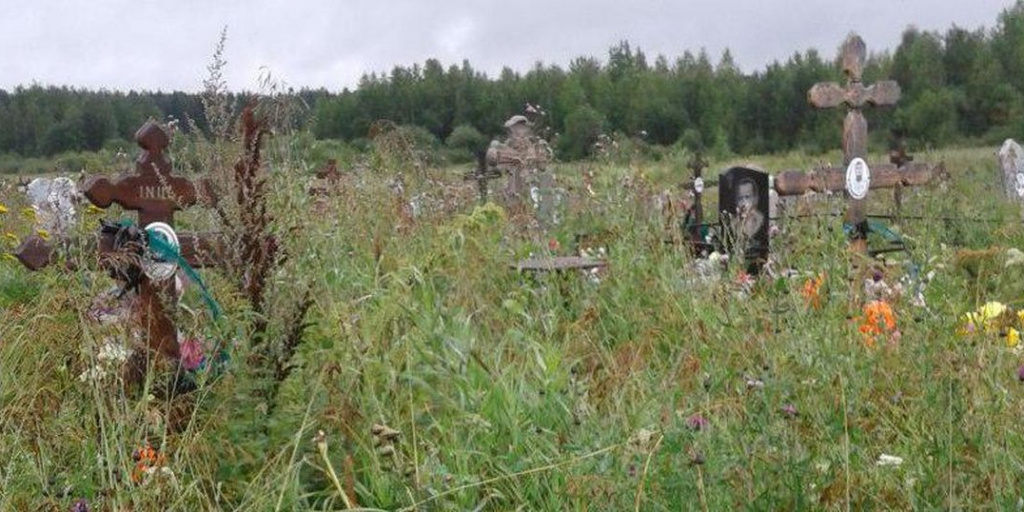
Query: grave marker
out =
(855, 96)
(1011, 162)
(743, 206)
(155, 194)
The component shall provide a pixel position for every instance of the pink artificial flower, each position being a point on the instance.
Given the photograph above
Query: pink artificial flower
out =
(191, 354)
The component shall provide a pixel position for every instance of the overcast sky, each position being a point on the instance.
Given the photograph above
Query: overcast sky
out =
(118, 44)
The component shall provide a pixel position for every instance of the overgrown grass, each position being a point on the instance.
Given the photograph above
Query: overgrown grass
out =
(546, 393)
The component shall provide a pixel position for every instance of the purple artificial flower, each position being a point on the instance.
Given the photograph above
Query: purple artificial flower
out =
(80, 506)
(697, 422)
(1020, 374)
(790, 410)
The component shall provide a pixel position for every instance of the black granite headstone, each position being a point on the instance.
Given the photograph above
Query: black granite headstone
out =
(743, 203)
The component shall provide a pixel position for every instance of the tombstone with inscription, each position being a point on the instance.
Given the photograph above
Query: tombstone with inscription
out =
(134, 253)
(1011, 162)
(743, 203)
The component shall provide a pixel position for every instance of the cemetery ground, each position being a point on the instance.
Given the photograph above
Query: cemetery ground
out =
(435, 377)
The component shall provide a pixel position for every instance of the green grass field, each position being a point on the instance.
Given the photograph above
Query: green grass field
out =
(645, 389)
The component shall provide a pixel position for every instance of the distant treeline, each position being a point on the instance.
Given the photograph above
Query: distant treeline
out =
(963, 84)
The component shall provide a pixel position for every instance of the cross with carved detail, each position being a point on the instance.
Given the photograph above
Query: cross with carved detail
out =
(155, 193)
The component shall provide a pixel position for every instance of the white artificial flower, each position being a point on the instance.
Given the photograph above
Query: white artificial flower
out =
(889, 460)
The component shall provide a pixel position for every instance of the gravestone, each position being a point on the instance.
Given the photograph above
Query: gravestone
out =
(743, 205)
(693, 220)
(1011, 162)
(53, 202)
(521, 155)
(547, 200)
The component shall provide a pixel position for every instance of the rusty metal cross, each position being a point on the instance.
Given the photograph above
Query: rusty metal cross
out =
(155, 194)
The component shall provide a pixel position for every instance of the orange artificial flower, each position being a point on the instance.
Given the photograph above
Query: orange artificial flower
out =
(146, 459)
(878, 319)
(811, 291)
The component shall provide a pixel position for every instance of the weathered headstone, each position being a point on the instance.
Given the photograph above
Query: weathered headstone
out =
(547, 200)
(521, 156)
(743, 205)
(1011, 162)
(53, 202)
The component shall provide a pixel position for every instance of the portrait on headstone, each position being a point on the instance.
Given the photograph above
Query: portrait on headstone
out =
(743, 201)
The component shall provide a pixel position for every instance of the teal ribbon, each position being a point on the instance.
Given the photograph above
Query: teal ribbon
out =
(162, 247)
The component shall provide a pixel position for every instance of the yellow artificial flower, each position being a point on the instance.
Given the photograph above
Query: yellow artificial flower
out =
(28, 213)
(992, 310)
(93, 209)
(9, 256)
(44, 234)
(1012, 338)
(3, 209)
(1020, 317)
(11, 236)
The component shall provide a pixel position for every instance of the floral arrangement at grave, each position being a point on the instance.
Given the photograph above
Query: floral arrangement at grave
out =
(993, 320)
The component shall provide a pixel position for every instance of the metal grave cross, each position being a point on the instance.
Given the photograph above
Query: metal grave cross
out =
(695, 215)
(155, 194)
(482, 173)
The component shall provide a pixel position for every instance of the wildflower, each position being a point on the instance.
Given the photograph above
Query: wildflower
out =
(790, 411)
(811, 291)
(697, 422)
(1012, 338)
(1020, 374)
(889, 460)
(553, 244)
(879, 319)
(11, 236)
(80, 506)
(3, 209)
(29, 213)
(96, 373)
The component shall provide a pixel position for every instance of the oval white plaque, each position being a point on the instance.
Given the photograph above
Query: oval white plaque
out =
(155, 268)
(858, 178)
(698, 185)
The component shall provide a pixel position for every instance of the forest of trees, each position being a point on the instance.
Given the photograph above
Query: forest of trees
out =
(961, 85)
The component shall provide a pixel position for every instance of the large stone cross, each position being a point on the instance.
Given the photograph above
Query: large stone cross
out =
(155, 194)
(855, 127)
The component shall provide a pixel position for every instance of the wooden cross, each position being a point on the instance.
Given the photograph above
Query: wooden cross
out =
(155, 193)
(855, 128)
(899, 157)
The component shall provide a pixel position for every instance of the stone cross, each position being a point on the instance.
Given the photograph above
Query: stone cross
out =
(155, 194)
(855, 127)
